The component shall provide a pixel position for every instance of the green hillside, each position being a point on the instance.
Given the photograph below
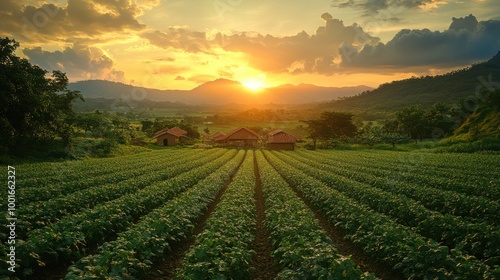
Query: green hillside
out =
(484, 122)
(428, 90)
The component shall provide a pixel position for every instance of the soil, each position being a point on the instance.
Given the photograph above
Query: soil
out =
(263, 262)
(172, 262)
(347, 248)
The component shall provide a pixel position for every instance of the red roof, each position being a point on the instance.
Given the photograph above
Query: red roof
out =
(161, 132)
(218, 136)
(275, 131)
(175, 131)
(281, 138)
(250, 134)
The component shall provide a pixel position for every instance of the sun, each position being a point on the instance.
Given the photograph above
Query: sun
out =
(254, 84)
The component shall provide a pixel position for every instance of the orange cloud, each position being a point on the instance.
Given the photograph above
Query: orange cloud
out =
(270, 53)
(78, 19)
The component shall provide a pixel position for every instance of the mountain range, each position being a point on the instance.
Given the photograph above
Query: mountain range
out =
(449, 88)
(218, 92)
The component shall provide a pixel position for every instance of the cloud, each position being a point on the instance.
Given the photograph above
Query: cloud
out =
(200, 79)
(78, 19)
(465, 41)
(79, 62)
(179, 38)
(227, 71)
(306, 53)
(167, 69)
(373, 7)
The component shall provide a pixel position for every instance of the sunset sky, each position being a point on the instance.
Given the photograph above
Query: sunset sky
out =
(181, 44)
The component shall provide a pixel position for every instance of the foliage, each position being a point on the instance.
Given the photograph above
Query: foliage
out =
(132, 253)
(451, 145)
(418, 123)
(446, 228)
(412, 121)
(381, 237)
(33, 107)
(224, 249)
(331, 125)
(302, 248)
(114, 215)
(371, 135)
(484, 122)
(427, 215)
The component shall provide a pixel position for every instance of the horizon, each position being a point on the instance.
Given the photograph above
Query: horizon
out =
(216, 80)
(281, 85)
(176, 45)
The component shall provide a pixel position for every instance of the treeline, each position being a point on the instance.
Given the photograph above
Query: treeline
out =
(249, 115)
(105, 104)
(411, 123)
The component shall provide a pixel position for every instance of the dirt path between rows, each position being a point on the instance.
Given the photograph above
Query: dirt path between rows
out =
(263, 261)
(346, 247)
(166, 268)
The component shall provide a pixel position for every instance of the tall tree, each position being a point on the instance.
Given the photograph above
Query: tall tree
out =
(440, 120)
(32, 105)
(413, 122)
(331, 125)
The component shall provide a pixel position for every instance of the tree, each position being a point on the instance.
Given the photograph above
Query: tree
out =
(441, 123)
(315, 130)
(146, 125)
(413, 122)
(394, 139)
(33, 106)
(331, 125)
(90, 122)
(369, 134)
(391, 126)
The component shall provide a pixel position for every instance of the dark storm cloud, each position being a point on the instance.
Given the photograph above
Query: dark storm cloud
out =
(373, 7)
(79, 62)
(465, 41)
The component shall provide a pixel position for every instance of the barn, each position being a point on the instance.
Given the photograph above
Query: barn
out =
(169, 137)
(241, 137)
(280, 140)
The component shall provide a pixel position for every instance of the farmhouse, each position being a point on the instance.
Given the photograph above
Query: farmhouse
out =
(280, 140)
(240, 137)
(218, 138)
(169, 137)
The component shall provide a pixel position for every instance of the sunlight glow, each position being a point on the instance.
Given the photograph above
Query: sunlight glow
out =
(255, 83)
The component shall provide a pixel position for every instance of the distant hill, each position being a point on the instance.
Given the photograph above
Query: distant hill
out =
(448, 88)
(216, 92)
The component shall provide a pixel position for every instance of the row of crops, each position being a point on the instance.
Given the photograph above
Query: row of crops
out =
(424, 216)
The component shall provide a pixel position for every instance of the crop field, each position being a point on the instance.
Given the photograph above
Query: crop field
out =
(257, 214)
